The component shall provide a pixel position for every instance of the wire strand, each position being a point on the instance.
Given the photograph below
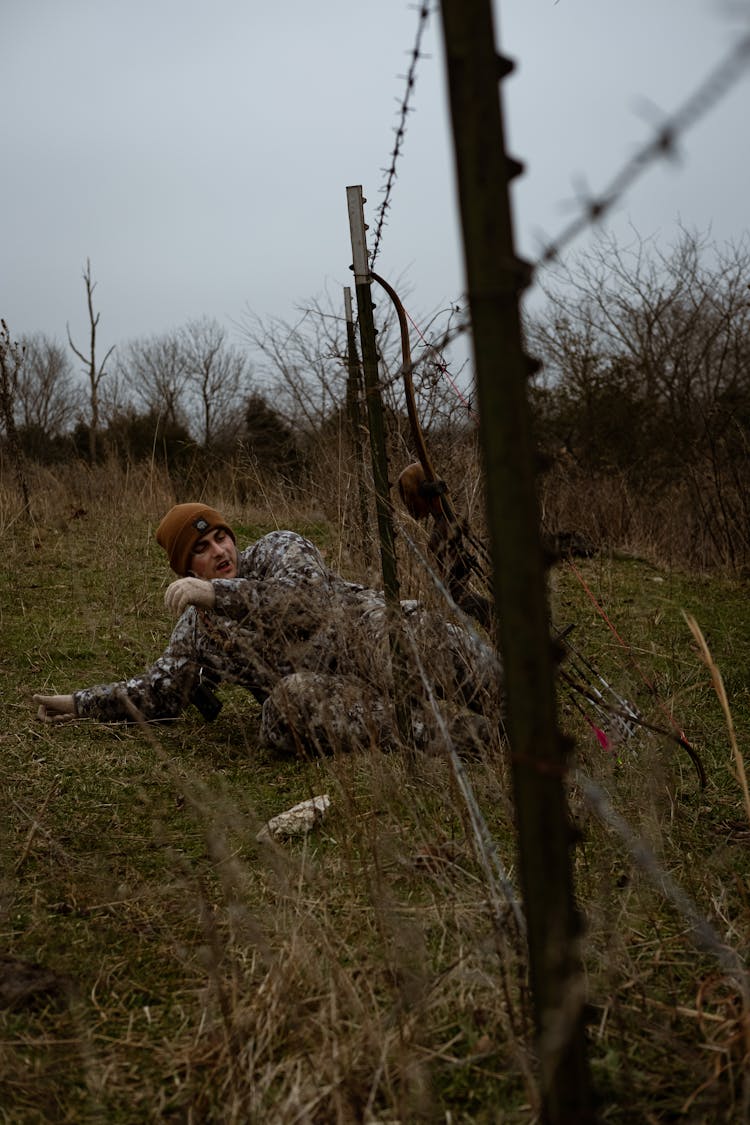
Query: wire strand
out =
(400, 130)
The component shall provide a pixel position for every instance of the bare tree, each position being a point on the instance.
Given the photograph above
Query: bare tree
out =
(219, 376)
(305, 364)
(115, 396)
(647, 357)
(157, 371)
(94, 371)
(666, 332)
(676, 315)
(46, 397)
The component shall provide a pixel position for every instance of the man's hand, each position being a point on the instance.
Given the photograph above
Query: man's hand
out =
(189, 591)
(55, 708)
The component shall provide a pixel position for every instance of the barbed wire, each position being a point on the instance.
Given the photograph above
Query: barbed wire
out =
(400, 130)
(703, 932)
(662, 145)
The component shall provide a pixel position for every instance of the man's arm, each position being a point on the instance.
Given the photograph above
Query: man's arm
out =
(161, 692)
(285, 556)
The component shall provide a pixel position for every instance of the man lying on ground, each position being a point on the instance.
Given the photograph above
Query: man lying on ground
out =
(312, 647)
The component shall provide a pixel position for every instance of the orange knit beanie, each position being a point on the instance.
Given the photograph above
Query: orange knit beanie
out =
(181, 529)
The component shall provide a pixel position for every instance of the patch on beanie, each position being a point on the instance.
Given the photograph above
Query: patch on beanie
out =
(201, 525)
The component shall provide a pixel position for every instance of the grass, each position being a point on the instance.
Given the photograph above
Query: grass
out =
(197, 975)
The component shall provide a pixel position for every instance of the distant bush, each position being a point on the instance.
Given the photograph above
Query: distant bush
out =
(45, 448)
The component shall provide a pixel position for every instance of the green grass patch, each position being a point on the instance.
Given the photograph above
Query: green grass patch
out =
(196, 974)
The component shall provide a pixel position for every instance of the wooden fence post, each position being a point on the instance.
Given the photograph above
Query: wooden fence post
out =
(495, 278)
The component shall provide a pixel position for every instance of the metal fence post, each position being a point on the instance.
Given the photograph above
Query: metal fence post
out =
(495, 278)
(353, 400)
(355, 203)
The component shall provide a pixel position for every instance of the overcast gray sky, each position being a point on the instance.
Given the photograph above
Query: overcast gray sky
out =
(199, 153)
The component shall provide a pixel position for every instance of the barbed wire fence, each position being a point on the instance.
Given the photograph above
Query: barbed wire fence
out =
(662, 144)
(400, 129)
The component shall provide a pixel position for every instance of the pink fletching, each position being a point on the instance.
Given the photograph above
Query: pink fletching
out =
(601, 738)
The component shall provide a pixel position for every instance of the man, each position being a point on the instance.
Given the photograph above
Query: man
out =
(312, 647)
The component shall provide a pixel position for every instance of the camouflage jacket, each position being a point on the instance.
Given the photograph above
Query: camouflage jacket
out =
(286, 611)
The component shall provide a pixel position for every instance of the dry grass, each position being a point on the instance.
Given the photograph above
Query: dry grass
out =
(359, 974)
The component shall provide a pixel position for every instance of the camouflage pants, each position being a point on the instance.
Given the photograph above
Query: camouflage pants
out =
(311, 712)
(314, 713)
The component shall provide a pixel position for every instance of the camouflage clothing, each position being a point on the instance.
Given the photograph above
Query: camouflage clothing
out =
(310, 646)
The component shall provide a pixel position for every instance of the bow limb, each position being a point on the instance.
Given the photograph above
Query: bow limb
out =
(407, 367)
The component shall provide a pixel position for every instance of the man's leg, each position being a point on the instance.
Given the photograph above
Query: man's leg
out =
(308, 712)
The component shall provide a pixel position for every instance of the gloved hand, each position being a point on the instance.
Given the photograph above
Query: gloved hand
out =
(55, 708)
(189, 591)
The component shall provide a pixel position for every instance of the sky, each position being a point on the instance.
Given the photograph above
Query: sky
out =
(198, 153)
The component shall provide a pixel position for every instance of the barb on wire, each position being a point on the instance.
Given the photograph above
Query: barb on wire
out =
(662, 144)
(400, 131)
(434, 351)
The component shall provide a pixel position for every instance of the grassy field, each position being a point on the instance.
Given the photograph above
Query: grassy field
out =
(160, 964)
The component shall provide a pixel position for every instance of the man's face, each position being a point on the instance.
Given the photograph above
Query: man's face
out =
(214, 555)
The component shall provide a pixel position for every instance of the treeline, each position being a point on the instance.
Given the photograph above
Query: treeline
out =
(642, 404)
(178, 398)
(644, 396)
(192, 399)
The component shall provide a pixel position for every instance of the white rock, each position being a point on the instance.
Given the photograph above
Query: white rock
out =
(297, 821)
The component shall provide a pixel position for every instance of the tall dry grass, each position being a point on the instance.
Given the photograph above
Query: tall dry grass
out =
(696, 523)
(372, 970)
